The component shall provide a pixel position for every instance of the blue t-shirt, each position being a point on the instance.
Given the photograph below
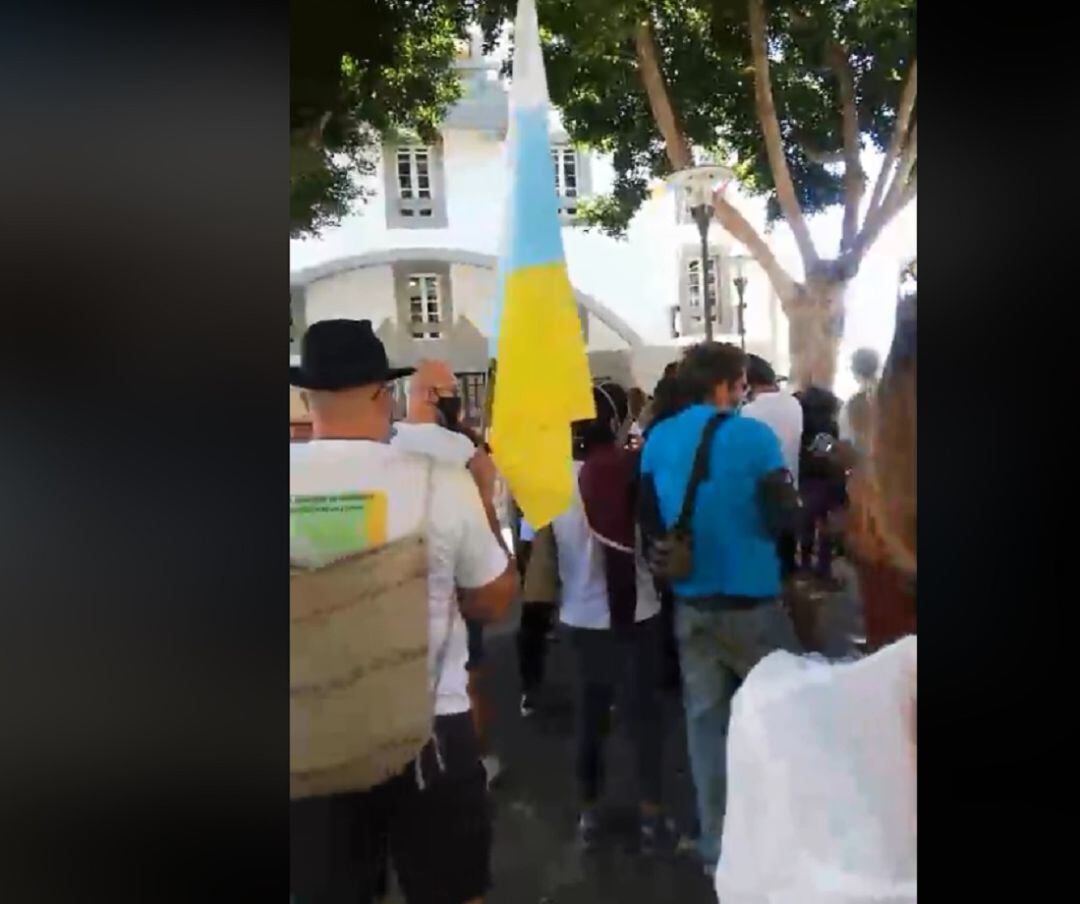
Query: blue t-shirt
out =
(733, 553)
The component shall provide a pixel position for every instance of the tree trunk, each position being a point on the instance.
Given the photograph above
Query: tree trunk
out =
(816, 323)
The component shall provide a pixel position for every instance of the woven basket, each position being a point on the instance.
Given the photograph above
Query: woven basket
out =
(359, 703)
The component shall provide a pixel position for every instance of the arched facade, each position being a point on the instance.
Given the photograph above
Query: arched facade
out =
(439, 303)
(459, 288)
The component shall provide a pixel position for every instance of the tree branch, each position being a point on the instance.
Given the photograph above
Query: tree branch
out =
(663, 110)
(774, 145)
(854, 176)
(878, 217)
(893, 204)
(907, 162)
(900, 130)
(678, 151)
(911, 191)
(742, 231)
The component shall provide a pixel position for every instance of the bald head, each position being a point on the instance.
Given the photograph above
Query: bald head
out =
(433, 381)
(431, 375)
(359, 412)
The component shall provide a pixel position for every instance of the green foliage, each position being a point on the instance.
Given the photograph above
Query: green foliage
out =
(706, 59)
(359, 68)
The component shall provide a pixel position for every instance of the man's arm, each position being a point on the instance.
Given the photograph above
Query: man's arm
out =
(484, 572)
(778, 498)
(483, 473)
(491, 602)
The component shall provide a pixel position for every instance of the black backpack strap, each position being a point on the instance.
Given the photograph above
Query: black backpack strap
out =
(700, 471)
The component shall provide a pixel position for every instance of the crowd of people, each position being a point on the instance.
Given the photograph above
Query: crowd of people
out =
(697, 514)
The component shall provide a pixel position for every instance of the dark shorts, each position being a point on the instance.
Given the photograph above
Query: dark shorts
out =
(476, 644)
(438, 838)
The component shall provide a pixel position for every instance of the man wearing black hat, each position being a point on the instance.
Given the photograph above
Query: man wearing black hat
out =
(435, 826)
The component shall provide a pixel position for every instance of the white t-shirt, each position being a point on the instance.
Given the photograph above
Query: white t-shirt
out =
(462, 551)
(821, 805)
(782, 412)
(434, 440)
(843, 423)
(581, 571)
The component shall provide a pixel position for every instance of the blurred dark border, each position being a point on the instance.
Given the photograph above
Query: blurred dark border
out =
(144, 167)
(143, 569)
(996, 403)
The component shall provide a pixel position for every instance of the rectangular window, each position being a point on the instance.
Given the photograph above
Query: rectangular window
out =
(425, 306)
(695, 301)
(401, 400)
(566, 178)
(565, 160)
(473, 394)
(414, 174)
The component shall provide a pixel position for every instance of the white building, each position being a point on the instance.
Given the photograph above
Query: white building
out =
(418, 259)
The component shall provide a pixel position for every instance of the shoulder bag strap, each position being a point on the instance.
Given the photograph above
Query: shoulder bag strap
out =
(699, 472)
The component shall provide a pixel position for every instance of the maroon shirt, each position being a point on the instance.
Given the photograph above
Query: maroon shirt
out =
(608, 482)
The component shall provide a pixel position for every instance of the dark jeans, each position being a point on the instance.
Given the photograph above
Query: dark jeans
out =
(785, 551)
(671, 676)
(438, 836)
(629, 660)
(475, 638)
(524, 551)
(536, 622)
(819, 498)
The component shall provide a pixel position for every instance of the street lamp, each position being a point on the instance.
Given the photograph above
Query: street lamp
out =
(738, 266)
(698, 184)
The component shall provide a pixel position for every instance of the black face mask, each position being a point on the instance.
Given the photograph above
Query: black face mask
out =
(449, 408)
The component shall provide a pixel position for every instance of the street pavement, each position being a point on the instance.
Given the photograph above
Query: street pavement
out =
(535, 859)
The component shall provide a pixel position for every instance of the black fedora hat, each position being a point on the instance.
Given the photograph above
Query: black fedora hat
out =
(340, 354)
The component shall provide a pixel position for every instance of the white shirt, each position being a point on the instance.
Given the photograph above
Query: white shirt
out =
(434, 440)
(581, 571)
(782, 412)
(821, 805)
(462, 551)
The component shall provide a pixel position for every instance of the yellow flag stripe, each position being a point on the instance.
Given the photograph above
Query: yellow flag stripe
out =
(543, 385)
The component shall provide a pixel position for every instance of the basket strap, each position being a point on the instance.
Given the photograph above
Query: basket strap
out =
(444, 647)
